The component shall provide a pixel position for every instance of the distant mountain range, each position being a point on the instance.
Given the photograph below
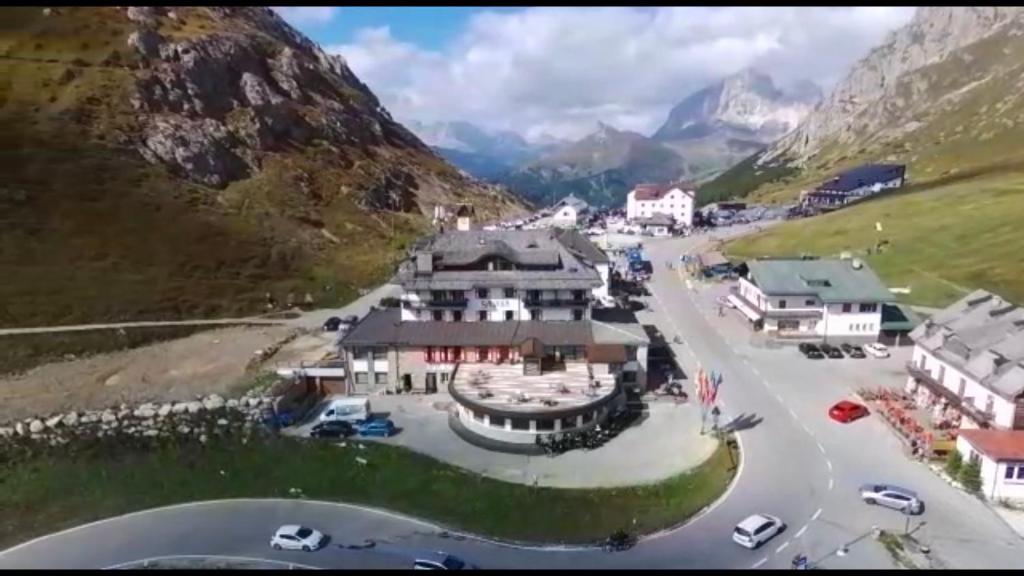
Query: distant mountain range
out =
(709, 131)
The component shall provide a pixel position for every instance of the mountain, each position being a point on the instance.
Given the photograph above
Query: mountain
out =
(721, 124)
(941, 94)
(601, 168)
(486, 154)
(182, 162)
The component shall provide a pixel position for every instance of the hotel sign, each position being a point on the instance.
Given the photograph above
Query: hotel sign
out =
(498, 304)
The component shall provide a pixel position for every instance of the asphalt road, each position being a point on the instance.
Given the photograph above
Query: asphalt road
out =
(796, 465)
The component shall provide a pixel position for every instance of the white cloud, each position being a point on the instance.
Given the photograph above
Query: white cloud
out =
(307, 15)
(560, 70)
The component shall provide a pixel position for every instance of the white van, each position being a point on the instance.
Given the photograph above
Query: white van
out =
(346, 409)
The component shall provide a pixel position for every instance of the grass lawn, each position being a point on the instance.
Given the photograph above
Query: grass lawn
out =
(70, 487)
(21, 352)
(943, 241)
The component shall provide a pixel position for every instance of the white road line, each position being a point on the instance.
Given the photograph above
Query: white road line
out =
(793, 414)
(829, 464)
(754, 369)
(783, 547)
(767, 384)
(821, 448)
(808, 430)
(759, 562)
(779, 398)
(801, 531)
(831, 481)
(816, 514)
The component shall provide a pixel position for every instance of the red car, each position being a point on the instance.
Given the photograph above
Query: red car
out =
(845, 411)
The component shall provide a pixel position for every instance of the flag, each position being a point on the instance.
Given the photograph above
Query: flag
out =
(701, 386)
(714, 389)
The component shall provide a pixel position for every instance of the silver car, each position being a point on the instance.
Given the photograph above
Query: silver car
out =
(901, 499)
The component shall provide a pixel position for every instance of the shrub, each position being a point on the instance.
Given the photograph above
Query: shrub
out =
(954, 461)
(970, 476)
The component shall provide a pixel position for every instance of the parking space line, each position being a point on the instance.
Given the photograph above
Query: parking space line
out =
(779, 398)
(816, 514)
(793, 414)
(801, 531)
(821, 448)
(831, 481)
(759, 562)
(783, 547)
(808, 430)
(829, 464)
(767, 384)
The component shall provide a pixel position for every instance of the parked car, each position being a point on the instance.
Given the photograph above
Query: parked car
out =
(877, 349)
(846, 411)
(332, 429)
(383, 427)
(831, 351)
(295, 537)
(332, 324)
(894, 497)
(440, 561)
(756, 530)
(810, 351)
(852, 351)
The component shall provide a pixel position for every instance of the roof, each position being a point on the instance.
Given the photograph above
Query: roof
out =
(541, 261)
(656, 219)
(656, 191)
(982, 336)
(581, 246)
(573, 201)
(829, 280)
(999, 445)
(384, 327)
(615, 326)
(606, 353)
(753, 522)
(865, 175)
(710, 259)
(899, 318)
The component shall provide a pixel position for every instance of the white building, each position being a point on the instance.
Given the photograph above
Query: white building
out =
(675, 200)
(830, 299)
(969, 358)
(569, 212)
(1001, 454)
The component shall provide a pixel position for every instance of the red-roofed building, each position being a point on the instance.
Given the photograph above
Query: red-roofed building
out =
(675, 200)
(1001, 453)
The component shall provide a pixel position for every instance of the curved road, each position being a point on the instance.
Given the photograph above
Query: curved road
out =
(797, 465)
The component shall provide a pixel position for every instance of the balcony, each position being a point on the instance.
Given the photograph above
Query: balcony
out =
(555, 302)
(984, 419)
(447, 303)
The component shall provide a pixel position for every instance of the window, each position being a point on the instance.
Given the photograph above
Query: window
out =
(509, 315)
(535, 314)
(809, 302)
(568, 423)
(438, 315)
(457, 315)
(872, 307)
(444, 377)
(577, 315)
(629, 377)
(963, 388)
(942, 373)
(990, 404)
(482, 315)
(478, 416)
(438, 295)
(577, 294)
(847, 307)
(481, 292)
(379, 354)
(545, 425)
(510, 292)
(782, 304)
(588, 417)
(1011, 471)
(362, 377)
(630, 353)
(482, 353)
(498, 421)
(380, 377)
(520, 424)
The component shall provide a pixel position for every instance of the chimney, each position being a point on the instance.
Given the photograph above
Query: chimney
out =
(424, 263)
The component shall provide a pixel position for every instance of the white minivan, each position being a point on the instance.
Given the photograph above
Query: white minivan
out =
(347, 410)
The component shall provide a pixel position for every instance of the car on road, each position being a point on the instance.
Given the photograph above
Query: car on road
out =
(877, 349)
(810, 351)
(350, 320)
(383, 427)
(332, 324)
(852, 351)
(757, 529)
(832, 351)
(440, 561)
(332, 429)
(295, 537)
(894, 497)
(846, 411)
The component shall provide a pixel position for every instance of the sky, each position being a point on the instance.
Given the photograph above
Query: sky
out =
(557, 72)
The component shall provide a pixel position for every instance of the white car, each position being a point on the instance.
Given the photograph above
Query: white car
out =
(877, 350)
(295, 537)
(757, 530)
(440, 561)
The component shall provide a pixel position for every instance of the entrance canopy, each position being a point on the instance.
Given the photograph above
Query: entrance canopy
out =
(749, 311)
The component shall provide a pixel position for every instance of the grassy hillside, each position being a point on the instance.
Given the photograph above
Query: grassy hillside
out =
(943, 241)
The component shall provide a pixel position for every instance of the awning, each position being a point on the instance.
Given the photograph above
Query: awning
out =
(747, 310)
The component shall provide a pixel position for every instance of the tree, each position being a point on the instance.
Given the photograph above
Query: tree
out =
(970, 476)
(954, 461)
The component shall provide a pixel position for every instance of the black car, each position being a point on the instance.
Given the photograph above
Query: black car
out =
(332, 429)
(810, 351)
(832, 351)
(853, 351)
(332, 324)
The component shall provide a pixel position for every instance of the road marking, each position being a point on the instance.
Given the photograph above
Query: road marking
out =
(759, 562)
(829, 464)
(767, 384)
(793, 414)
(783, 547)
(754, 369)
(808, 430)
(801, 531)
(831, 481)
(821, 448)
(816, 514)
(779, 398)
